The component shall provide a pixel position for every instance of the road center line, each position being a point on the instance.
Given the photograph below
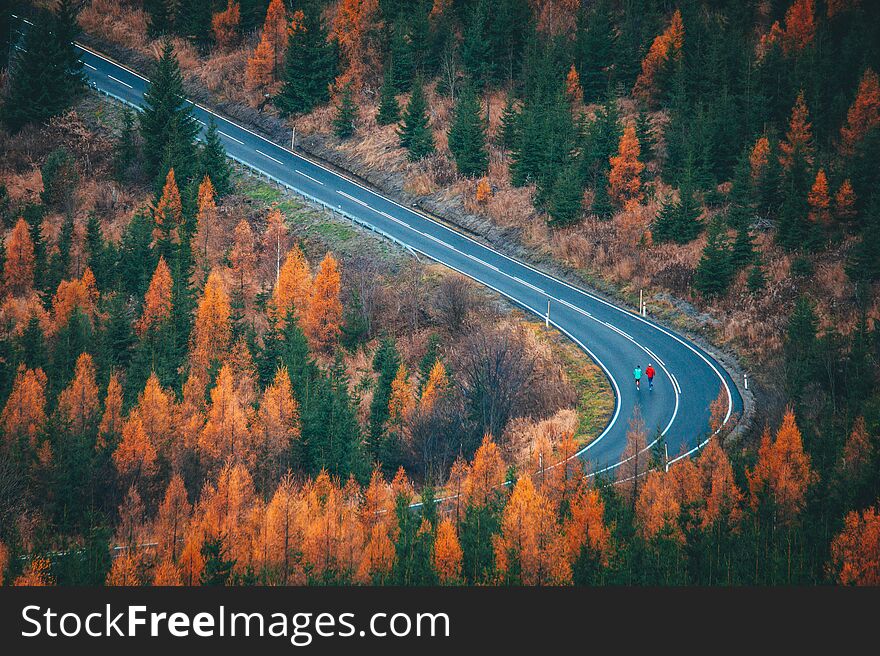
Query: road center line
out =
(356, 200)
(229, 136)
(116, 79)
(306, 175)
(278, 161)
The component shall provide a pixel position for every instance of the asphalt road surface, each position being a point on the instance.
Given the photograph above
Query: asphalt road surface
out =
(688, 379)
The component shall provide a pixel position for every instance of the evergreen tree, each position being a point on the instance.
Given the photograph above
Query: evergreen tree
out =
(214, 162)
(715, 270)
(160, 18)
(743, 252)
(415, 131)
(756, 280)
(566, 201)
(679, 221)
(602, 206)
(60, 179)
(125, 150)
(46, 76)
(346, 114)
(863, 266)
(467, 135)
(401, 68)
(218, 566)
(389, 110)
(193, 22)
(508, 134)
(386, 361)
(800, 347)
(309, 66)
(167, 124)
(476, 47)
(594, 46)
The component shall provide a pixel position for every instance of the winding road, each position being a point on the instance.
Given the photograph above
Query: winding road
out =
(688, 379)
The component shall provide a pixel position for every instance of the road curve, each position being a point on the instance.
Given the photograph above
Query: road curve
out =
(688, 379)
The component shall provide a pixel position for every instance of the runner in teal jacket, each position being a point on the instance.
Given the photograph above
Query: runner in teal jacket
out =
(637, 374)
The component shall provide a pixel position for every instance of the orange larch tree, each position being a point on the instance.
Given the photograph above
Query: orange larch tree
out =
(263, 70)
(665, 48)
(24, 414)
(157, 300)
(845, 202)
(401, 402)
(858, 453)
(212, 330)
(207, 238)
(783, 471)
(573, 89)
(276, 239)
(168, 213)
(863, 114)
(18, 268)
(447, 553)
(800, 26)
(293, 289)
(855, 552)
(531, 539)
(434, 388)
(243, 257)
(819, 200)
(323, 318)
(723, 497)
(172, 520)
(224, 25)
(156, 409)
(278, 420)
(759, 158)
(354, 28)
(486, 474)
(38, 573)
(73, 294)
(658, 508)
(624, 180)
(282, 532)
(78, 404)
(225, 434)
(585, 525)
(135, 457)
(799, 138)
(112, 420)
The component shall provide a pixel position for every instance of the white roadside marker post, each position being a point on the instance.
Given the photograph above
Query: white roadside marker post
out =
(547, 318)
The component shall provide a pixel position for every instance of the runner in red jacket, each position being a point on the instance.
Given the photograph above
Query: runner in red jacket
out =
(649, 372)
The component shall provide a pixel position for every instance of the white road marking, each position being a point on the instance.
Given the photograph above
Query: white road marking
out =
(278, 161)
(229, 136)
(356, 200)
(89, 66)
(116, 79)
(306, 175)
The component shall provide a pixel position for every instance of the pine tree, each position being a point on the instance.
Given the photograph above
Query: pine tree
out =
(309, 65)
(715, 270)
(46, 77)
(566, 201)
(601, 205)
(679, 221)
(346, 114)
(386, 362)
(193, 22)
(214, 163)
(167, 124)
(756, 280)
(863, 266)
(160, 17)
(389, 110)
(125, 150)
(415, 131)
(508, 134)
(467, 135)
(401, 67)
(743, 252)
(800, 347)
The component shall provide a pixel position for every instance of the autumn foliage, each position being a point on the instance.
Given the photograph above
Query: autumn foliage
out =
(665, 48)
(18, 266)
(863, 115)
(624, 180)
(322, 321)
